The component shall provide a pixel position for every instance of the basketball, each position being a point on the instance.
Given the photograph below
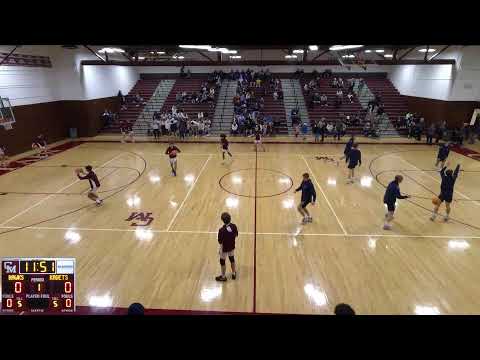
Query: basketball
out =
(78, 171)
(436, 201)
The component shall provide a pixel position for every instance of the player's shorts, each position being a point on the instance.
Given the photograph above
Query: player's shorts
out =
(93, 190)
(224, 150)
(352, 165)
(258, 141)
(39, 146)
(172, 160)
(390, 206)
(445, 197)
(304, 204)
(223, 254)
(442, 159)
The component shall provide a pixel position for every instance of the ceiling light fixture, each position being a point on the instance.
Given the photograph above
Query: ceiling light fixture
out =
(313, 47)
(111, 50)
(298, 51)
(344, 47)
(368, 51)
(388, 55)
(379, 51)
(290, 56)
(348, 56)
(425, 50)
(235, 57)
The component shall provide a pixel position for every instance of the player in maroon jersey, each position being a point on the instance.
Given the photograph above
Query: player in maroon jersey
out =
(3, 157)
(127, 131)
(94, 184)
(224, 141)
(172, 151)
(40, 144)
(258, 140)
(226, 238)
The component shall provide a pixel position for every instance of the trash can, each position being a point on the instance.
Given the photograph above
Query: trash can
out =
(73, 133)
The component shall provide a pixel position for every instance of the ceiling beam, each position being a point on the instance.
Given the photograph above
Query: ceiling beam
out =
(94, 53)
(380, 56)
(8, 55)
(305, 54)
(406, 53)
(426, 53)
(205, 56)
(441, 51)
(127, 57)
(395, 54)
(322, 53)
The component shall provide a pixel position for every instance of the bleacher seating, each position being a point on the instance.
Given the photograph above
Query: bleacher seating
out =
(190, 85)
(330, 112)
(395, 104)
(145, 88)
(274, 108)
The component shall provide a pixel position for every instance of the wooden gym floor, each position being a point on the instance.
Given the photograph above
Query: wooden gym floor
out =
(419, 267)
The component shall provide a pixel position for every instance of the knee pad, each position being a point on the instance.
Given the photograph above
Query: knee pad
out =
(232, 259)
(222, 262)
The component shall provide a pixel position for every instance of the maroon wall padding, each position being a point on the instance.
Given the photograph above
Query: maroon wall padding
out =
(454, 112)
(53, 119)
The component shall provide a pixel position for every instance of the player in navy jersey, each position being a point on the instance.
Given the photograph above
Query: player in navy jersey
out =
(40, 144)
(3, 157)
(94, 184)
(392, 193)
(172, 151)
(442, 155)
(226, 238)
(354, 159)
(127, 131)
(449, 178)
(348, 148)
(309, 195)
(224, 142)
(258, 140)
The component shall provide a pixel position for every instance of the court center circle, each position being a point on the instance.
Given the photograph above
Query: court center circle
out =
(256, 183)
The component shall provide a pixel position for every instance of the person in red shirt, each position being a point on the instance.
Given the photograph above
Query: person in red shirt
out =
(127, 131)
(94, 184)
(224, 141)
(172, 151)
(226, 238)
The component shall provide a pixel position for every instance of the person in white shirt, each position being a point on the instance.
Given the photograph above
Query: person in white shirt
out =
(201, 127)
(208, 123)
(156, 128)
(234, 127)
(200, 115)
(174, 110)
(275, 95)
(168, 124)
(194, 127)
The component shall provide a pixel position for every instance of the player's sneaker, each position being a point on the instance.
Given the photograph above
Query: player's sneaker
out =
(309, 219)
(446, 219)
(387, 227)
(221, 278)
(234, 276)
(432, 218)
(304, 220)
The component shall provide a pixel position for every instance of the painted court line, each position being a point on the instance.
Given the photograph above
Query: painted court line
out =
(49, 196)
(188, 193)
(249, 233)
(325, 196)
(438, 181)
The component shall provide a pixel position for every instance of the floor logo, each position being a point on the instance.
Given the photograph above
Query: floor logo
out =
(143, 218)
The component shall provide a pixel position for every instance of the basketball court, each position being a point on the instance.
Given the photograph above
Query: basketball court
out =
(154, 239)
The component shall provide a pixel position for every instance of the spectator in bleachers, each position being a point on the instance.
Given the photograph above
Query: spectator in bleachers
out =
(334, 82)
(338, 129)
(339, 98)
(174, 110)
(350, 97)
(306, 89)
(323, 100)
(138, 100)
(304, 130)
(329, 129)
(316, 98)
(234, 127)
(367, 128)
(361, 84)
(275, 95)
(340, 83)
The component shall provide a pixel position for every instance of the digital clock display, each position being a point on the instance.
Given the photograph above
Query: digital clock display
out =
(38, 285)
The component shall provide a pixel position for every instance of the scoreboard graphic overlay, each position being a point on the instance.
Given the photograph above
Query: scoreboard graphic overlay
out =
(38, 285)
